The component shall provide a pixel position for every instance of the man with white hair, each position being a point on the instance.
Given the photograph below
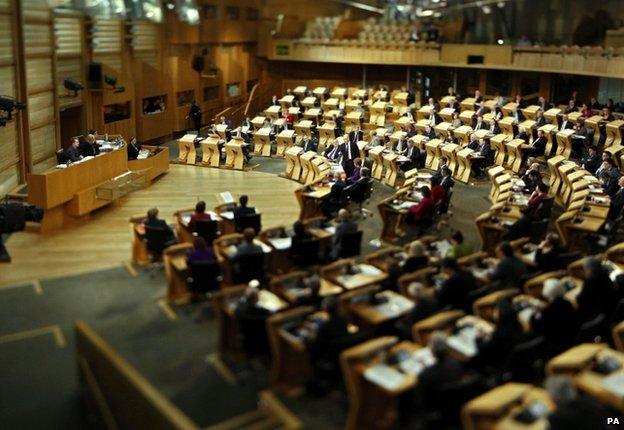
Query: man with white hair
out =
(558, 322)
(572, 411)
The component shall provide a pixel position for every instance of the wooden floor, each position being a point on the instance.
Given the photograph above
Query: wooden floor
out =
(103, 240)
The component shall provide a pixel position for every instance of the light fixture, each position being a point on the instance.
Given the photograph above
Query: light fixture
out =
(500, 41)
(426, 12)
(72, 85)
(500, 4)
(486, 9)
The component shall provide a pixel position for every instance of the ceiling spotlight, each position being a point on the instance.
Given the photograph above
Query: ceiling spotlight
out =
(486, 9)
(427, 12)
(170, 6)
(500, 41)
(500, 4)
(435, 1)
(437, 14)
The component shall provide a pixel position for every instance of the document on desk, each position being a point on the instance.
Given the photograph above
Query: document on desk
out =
(331, 229)
(417, 362)
(269, 301)
(369, 270)
(614, 384)
(396, 306)
(465, 341)
(280, 242)
(229, 215)
(385, 376)
(225, 197)
(186, 219)
(443, 246)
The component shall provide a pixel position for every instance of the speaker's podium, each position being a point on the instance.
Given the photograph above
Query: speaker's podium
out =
(273, 112)
(262, 142)
(285, 140)
(211, 155)
(327, 134)
(186, 149)
(303, 129)
(293, 165)
(234, 157)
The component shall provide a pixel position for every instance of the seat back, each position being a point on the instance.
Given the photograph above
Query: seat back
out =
(204, 276)
(250, 220)
(250, 266)
(526, 360)
(545, 208)
(452, 396)
(207, 229)
(594, 330)
(61, 158)
(305, 253)
(351, 244)
(156, 241)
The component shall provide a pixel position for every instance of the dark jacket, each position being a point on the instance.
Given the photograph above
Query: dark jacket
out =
(596, 295)
(508, 273)
(558, 323)
(454, 291)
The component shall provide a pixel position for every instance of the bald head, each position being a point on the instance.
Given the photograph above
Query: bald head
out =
(343, 214)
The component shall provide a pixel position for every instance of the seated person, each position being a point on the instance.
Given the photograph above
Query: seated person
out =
(344, 226)
(458, 247)
(309, 144)
(548, 252)
(484, 157)
(242, 209)
(591, 161)
(532, 178)
(416, 157)
(133, 149)
(248, 246)
(617, 202)
(609, 184)
(509, 271)
(199, 215)
(91, 147)
(333, 152)
(572, 410)
(335, 200)
(446, 370)
(538, 147)
(438, 193)
(597, 294)
(558, 322)
(300, 232)
(200, 253)
(310, 293)
(251, 319)
(355, 176)
(72, 153)
(422, 213)
(358, 190)
(425, 305)
(493, 349)
(530, 213)
(416, 258)
(454, 290)
(153, 221)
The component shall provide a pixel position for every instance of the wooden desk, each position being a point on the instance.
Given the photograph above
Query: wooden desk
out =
(339, 273)
(65, 194)
(549, 130)
(302, 129)
(234, 157)
(353, 119)
(467, 103)
(293, 165)
(614, 133)
(391, 167)
(262, 142)
(433, 150)
(310, 200)
(496, 408)
(176, 272)
(137, 232)
(327, 134)
(225, 249)
(211, 154)
(186, 149)
(286, 101)
(285, 140)
(374, 315)
(552, 115)
(530, 112)
(564, 143)
(156, 164)
(273, 112)
(441, 321)
(578, 362)
(378, 113)
(307, 171)
(376, 154)
(594, 122)
(464, 165)
(515, 155)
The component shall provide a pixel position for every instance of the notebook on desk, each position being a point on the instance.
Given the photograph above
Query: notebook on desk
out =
(464, 341)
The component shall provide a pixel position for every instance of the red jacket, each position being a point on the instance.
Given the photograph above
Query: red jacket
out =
(438, 194)
(423, 211)
(198, 217)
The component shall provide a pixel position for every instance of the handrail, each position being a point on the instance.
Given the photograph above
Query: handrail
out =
(221, 113)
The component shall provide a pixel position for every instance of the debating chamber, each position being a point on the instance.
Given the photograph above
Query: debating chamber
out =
(295, 214)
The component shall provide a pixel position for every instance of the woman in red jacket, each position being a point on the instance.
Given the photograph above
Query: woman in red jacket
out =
(422, 213)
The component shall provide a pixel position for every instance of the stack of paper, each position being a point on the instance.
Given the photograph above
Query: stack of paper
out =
(385, 376)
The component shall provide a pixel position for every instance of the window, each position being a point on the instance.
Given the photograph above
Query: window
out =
(185, 98)
(116, 112)
(233, 90)
(232, 13)
(211, 93)
(251, 13)
(211, 11)
(154, 105)
(250, 84)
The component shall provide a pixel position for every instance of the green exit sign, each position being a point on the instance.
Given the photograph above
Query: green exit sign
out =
(282, 50)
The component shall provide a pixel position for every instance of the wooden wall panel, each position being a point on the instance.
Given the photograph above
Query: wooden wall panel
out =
(37, 39)
(68, 33)
(36, 10)
(107, 43)
(148, 57)
(43, 143)
(39, 74)
(6, 39)
(9, 150)
(41, 109)
(8, 179)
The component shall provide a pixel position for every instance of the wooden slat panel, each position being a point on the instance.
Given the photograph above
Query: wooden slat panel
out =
(6, 38)
(43, 142)
(68, 68)
(9, 151)
(37, 39)
(149, 57)
(107, 36)
(5, 5)
(41, 109)
(35, 10)
(8, 179)
(45, 164)
(68, 32)
(39, 74)
(111, 60)
(7, 81)
(145, 36)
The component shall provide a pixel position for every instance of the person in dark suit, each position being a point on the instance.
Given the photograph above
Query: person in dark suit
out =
(200, 253)
(429, 132)
(195, 114)
(199, 215)
(356, 135)
(226, 122)
(90, 147)
(133, 149)
(558, 322)
(538, 147)
(359, 189)
(540, 120)
(548, 253)
(350, 151)
(300, 233)
(517, 115)
(446, 181)
(494, 128)
(572, 410)
(597, 293)
(72, 153)
(509, 271)
(152, 221)
(309, 144)
(531, 180)
(617, 202)
(416, 258)
(486, 157)
(345, 226)
(566, 124)
(247, 246)
(543, 104)
(454, 290)
(609, 184)
(493, 349)
(479, 124)
(478, 98)
(571, 107)
(416, 159)
(335, 199)
(425, 305)
(446, 370)
(251, 319)
(434, 118)
(242, 209)
(334, 152)
(591, 161)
